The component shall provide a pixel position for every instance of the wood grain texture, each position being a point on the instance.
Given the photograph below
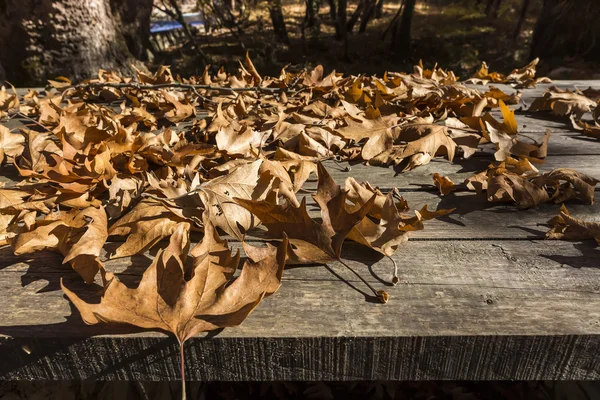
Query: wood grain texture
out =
(421, 178)
(490, 310)
(480, 297)
(318, 358)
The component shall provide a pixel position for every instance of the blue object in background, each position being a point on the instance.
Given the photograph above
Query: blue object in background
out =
(164, 26)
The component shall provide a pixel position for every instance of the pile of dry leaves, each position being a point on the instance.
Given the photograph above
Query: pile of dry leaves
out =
(159, 157)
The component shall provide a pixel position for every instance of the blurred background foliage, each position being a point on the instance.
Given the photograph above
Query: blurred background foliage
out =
(42, 40)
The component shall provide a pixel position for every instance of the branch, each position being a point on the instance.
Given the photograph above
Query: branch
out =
(135, 85)
(166, 11)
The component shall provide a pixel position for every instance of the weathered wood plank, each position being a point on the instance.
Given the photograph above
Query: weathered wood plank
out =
(531, 93)
(553, 265)
(525, 310)
(321, 359)
(458, 171)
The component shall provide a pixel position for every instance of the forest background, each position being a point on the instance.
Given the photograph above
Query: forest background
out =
(73, 38)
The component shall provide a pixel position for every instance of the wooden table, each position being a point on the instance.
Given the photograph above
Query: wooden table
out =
(482, 296)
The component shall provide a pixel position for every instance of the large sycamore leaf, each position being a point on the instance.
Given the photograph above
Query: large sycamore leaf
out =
(78, 235)
(312, 241)
(210, 299)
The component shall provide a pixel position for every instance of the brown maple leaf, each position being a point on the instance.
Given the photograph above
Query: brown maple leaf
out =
(444, 184)
(563, 102)
(423, 142)
(11, 144)
(78, 235)
(566, 227)
(165, 299)
(210, 299)
(388, 227)
(313, 241)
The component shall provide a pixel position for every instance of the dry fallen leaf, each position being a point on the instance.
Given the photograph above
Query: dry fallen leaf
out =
(567, 184)
(11, 144)
(385, 228)
(444, 184)
(563, 102)
(313, 242)
(210, 299)
(78, 235)
(566, 227)
(519, 182)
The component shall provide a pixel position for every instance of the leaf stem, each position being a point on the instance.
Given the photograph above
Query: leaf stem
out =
(182, 357)
(21, 115)
(380, 294)
(395, 278)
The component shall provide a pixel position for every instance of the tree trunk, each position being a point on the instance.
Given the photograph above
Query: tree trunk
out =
(332, 11)
(355, 15)
(340, 25)
(402, 37)
(310, 13)
(567, 29)
(379, 9)
(135, 25)
(74, 38)
(366, 16)
(521, 20)
(187, 29)
(276, 12)
(492, 7)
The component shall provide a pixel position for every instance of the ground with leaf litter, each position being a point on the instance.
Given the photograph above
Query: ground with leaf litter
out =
(179, 205)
